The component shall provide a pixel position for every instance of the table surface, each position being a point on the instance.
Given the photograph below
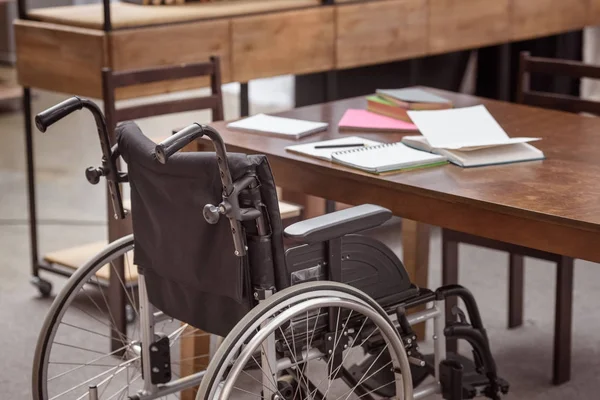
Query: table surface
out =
(550, 205)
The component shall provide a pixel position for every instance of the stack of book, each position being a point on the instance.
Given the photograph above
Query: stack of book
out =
(396, 103)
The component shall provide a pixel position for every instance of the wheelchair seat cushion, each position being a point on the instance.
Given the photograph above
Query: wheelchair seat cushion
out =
(190, 268)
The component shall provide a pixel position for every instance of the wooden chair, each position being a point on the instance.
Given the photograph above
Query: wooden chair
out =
(564, 271)
(111, 81)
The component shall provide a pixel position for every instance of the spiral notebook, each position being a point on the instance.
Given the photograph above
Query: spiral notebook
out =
(387, 158)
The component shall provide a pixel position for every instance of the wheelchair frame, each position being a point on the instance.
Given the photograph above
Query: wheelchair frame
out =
(447, 374)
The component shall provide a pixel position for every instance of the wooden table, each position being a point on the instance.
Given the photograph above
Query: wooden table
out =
(551, 205)
(63, 49)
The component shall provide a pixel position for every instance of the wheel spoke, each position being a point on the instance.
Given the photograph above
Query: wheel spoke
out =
(84, 329)
(86, 364)
(131, 302)
(93, 378)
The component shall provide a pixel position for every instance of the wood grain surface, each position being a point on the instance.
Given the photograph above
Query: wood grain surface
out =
(137, 48)
(551, 205)
(465, 24)
(546, 17)
(292, 42)
(380, 31)
(60, 58)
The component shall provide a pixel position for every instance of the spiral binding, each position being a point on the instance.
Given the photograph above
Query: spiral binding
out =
(368, 148)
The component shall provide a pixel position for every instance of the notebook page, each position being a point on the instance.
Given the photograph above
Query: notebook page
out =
(391, 156)
(462, 127)
(325, 154)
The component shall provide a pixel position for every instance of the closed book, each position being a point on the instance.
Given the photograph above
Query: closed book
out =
(414, 99)
(379, 105)
(366, 121)
(278, 126)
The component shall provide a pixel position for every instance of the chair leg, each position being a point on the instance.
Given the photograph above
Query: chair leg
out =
(515, 290)
(563, 321)
(449, 277)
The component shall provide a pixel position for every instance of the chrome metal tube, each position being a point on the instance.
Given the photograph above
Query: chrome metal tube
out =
(426, 390)
(423, 316)
(147, 334)
(312, 354)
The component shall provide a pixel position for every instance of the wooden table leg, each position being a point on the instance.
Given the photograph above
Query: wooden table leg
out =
(563, 320)
(194, 345)
(415, 248)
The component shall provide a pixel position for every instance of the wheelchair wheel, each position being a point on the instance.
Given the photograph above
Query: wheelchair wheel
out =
(76, 346)
(288, 335)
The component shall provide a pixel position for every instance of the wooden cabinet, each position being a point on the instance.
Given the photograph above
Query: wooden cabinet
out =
(61, 58)
(168, 45)
(292, 42)
(467, 24)
(531, 19)
(380, 31)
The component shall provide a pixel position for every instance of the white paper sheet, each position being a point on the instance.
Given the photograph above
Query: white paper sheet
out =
(462, 128)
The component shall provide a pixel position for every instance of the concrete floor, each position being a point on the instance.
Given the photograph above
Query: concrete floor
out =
(71, 212)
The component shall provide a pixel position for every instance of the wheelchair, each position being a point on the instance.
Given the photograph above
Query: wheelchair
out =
(324, 319)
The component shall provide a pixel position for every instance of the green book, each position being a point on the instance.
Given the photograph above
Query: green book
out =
(380, 100)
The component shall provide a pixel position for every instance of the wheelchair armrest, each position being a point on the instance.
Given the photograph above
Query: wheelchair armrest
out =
(338, 224)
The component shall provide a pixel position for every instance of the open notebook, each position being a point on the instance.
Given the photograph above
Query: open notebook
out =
(386, 158)
(478, 157)
(469, 137)
(462, 128)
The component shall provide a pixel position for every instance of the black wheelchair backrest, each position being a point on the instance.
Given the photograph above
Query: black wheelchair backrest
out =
(190, 268)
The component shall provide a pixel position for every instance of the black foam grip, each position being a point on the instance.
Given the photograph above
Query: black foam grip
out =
(48, 117)
(178, 141)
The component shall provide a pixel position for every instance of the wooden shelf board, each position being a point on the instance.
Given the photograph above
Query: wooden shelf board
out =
(75, 257)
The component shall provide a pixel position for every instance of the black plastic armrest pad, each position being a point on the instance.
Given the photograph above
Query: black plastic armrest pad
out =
(338, 224)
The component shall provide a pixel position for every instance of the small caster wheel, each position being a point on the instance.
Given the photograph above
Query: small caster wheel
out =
(44, 286)
(287, 387)
(130, 314)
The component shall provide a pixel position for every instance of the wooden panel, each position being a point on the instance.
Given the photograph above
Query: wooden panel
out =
(594, 12)
(60, 58)
(466, 24)
(155, 46)
(532, 19)
(194, 348)
(381, 31)
(293, 42)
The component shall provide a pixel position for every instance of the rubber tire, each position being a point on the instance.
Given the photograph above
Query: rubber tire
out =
(238, 330)
(59, 302)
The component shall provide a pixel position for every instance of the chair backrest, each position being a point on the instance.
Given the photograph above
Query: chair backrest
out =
(112, 80)
(554, 67)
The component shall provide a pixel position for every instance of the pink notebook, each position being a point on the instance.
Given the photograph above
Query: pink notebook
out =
(366, 121)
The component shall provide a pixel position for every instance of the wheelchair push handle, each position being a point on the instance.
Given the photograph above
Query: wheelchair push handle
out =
(53, 114)
(178, 141)
(109, 155)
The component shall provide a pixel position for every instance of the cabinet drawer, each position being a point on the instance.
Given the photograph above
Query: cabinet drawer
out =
(380, 31)
(538, 18)
(170, 45)
(293, 42)
(467, 24)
